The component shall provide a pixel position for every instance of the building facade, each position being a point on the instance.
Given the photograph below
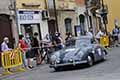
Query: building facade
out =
(92, 15)
(32, 17)
(66, 16)
(76, 16)
(7, 21)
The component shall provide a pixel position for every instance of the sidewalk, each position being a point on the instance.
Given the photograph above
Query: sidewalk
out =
(1, 70)
(33, 62)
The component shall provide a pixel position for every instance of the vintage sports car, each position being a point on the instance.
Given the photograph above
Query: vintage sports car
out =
(82, 51)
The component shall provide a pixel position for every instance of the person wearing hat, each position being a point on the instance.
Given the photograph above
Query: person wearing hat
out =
(4, 45)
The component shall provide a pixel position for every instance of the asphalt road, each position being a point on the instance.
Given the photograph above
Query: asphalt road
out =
(107, 70)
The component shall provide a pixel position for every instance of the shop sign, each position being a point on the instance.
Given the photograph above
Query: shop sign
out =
(25, 17)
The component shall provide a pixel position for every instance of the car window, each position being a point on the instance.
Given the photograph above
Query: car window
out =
(81, 44)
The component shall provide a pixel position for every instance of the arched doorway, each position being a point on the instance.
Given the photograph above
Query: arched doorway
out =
(6, 28)
(82, 23)
(68, 25)
(52, 26)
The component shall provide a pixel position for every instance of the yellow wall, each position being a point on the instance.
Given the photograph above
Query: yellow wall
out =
(114, 12)
(41, 2)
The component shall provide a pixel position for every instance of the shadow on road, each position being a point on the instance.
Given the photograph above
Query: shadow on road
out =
(78, 67)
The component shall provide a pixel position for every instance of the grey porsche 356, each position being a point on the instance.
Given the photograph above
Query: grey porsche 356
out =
(82, 51)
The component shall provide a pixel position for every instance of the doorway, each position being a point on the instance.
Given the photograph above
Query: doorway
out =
(6, 29)
(82, 23)
(31, 29)
(52, 26)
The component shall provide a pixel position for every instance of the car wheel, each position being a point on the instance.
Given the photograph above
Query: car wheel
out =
(90, 61)
(104, 55)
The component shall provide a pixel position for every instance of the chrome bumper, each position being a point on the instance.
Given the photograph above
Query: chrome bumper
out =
(68, 64)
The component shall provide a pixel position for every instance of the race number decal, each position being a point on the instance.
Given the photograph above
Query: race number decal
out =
(99, 52)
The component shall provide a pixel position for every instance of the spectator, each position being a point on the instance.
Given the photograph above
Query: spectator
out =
(4, 45)
(89, 33)
(99, 35)
(35, 46)
(115, 33)
(69, 37)
(119, 36)
(58, 41)
(23, 47)
(29, 54)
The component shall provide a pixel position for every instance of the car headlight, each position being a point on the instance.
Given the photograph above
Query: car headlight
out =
(53, 57)
(71, 60)
(80, 54)
(93, 51)
(57, 61)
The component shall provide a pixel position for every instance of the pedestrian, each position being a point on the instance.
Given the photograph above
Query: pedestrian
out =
(99, 35)
(23, 48)
(68, 39)
(58, 41)
(89, 33)
(35, 48)
(29, 54)
(115, 33)
(119, 36)
(4, 45)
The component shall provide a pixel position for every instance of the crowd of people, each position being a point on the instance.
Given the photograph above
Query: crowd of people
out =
(33, 48)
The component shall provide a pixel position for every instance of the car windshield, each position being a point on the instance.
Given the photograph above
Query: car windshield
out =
(80, 42)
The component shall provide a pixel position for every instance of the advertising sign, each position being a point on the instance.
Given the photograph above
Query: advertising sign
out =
(28, 17)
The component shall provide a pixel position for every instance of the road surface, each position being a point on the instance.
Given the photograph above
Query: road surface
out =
(107, 70)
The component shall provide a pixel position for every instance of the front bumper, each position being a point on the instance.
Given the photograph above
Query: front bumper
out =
(68, 64)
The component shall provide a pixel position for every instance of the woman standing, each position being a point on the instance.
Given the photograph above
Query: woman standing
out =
(24, 48)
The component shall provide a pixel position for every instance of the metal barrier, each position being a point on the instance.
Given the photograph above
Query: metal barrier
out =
(104, 41)
(11, 59)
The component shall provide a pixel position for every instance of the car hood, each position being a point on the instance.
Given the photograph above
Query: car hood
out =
(69, 53)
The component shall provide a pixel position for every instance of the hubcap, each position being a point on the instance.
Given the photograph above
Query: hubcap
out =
(90, 61)
(104, 55)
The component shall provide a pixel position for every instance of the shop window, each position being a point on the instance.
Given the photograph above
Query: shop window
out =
(68, 25)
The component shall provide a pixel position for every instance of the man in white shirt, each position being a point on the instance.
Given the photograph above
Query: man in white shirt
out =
(89, 34)
(99, 34)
